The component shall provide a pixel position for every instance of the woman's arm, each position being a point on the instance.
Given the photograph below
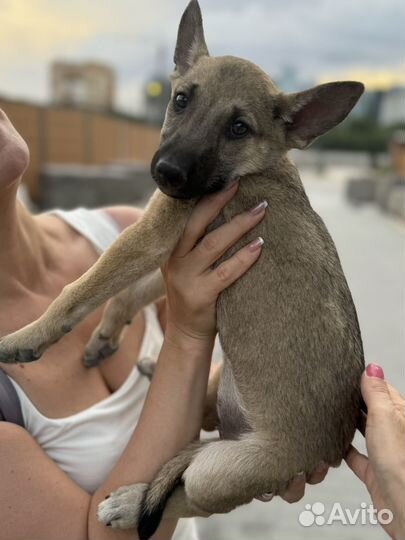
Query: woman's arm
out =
(171, 418)
(38, 501)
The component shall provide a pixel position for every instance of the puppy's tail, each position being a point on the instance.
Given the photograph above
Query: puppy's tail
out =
(162, 487)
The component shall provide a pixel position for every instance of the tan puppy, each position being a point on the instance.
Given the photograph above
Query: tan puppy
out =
(289, 390)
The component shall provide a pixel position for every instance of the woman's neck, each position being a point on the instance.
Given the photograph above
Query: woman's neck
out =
(23, 246)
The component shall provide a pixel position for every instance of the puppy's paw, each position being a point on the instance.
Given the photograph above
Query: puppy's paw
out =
(146, 366)
(25, 345)
(98, 348)
(106, 338)
(122, 508)
(28, 344)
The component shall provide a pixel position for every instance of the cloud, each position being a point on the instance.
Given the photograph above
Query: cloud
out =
(137, 38)
(32, 28)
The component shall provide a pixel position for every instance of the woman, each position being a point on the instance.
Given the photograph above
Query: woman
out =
(79, 443)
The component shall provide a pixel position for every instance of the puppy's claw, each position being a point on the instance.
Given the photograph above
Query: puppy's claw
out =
(27, 355)
(6, 357)
(92, 359)
(19, 356)
(66, 328)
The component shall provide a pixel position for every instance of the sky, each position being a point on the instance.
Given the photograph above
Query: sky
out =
(319, 40)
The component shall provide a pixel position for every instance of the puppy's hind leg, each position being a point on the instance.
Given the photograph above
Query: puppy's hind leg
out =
(124, 507)
(121, 510)
(221, 476)
(118, 314)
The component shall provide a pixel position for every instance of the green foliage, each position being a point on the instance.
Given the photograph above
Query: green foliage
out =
(358, 135)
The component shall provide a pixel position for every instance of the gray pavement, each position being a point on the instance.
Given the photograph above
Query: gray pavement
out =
(372, 250)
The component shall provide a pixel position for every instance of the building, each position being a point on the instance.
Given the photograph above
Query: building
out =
(392, 108)
(89, 85)
(157, 97)
(368, 107)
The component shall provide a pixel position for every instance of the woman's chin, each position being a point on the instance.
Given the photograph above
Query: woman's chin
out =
(14, 152)
(14, 160)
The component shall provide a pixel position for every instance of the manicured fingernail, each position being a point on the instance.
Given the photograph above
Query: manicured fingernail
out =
(259, 208)
(373, 370)
(256, 244)
(266, 497)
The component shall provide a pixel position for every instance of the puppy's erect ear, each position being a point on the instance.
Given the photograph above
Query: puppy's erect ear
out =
(190, 44)
(311, 113)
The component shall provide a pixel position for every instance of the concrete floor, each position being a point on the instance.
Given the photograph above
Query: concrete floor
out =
(372, 250)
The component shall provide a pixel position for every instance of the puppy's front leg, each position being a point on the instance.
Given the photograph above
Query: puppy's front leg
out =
(139, 250)
(118, 314)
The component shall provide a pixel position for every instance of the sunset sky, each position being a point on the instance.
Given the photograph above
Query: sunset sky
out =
(321, 39)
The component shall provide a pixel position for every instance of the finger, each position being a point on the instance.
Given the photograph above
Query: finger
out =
(295, 490)
(203, 214)
(318, 475)
(357, 462)
(229, 271)
(216, 243)
(375, 390)
(396, 396)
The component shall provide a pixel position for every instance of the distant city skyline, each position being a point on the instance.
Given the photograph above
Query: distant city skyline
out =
(317, 40)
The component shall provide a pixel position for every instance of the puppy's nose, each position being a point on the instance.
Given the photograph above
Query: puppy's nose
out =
(171, 173)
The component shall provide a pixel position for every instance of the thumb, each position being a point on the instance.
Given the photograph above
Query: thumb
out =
(374, 389)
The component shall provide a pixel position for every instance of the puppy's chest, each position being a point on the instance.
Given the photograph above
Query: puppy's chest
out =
(259, 306)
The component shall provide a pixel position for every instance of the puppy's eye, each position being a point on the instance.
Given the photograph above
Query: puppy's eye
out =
(239, 129)
(180, 101)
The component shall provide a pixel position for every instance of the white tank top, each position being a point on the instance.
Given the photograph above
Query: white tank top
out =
(86, 445)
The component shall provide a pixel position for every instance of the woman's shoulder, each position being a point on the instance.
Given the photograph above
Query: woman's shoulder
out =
(100, 227)
(124, 216)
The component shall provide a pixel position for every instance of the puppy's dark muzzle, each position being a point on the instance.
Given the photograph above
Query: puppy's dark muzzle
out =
(183, 174)
(172, 172)
(170, 175)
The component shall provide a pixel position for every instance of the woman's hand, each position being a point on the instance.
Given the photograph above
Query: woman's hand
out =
(383, 472)
(296, 488)
(192, 286)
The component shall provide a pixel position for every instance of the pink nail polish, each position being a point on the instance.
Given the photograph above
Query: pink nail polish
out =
(259, 208)
(373, 370)
(256, 244)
